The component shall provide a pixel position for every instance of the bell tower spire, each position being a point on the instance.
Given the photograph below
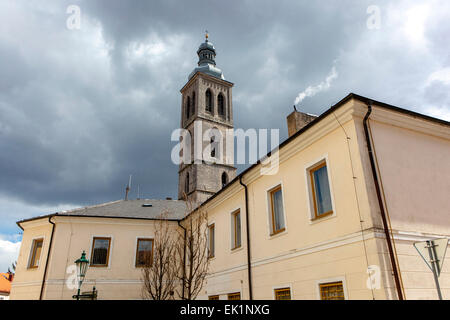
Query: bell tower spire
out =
(207, 113)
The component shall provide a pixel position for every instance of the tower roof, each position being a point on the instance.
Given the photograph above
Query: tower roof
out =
(206, 60)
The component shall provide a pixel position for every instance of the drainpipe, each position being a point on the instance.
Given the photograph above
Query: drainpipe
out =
(249, 268)
(184, 260)
(48, 258)
(380, 203)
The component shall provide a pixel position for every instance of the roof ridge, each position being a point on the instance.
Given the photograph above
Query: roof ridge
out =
(90, 207)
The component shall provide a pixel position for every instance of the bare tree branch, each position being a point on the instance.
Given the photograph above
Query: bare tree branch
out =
(192, 248)
(160, 273)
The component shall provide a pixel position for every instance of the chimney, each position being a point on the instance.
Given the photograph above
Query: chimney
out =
(297, 120)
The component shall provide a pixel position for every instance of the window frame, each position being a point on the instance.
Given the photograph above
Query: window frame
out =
(234, 294)
(211, 253)
(331, 280)
(214, 297)
(270, 192)
(137, 252)
(32, 257)
(331, 284)
(277, 290)
(107, 255)
(310, 190)
(234, 233)
(313, 190)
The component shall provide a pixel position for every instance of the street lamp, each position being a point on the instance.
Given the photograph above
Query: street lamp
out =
(82, 265)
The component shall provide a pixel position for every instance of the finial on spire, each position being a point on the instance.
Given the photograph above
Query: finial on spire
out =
(206, 35)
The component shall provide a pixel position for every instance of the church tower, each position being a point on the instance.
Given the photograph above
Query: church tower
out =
(207, 113)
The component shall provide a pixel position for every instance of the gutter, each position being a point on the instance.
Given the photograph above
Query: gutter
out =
(48, 257)
(184, 260)
(247, 224)
(380, 203)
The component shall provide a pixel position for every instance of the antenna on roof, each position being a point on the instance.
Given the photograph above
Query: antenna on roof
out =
(295, 108)
(127, 189)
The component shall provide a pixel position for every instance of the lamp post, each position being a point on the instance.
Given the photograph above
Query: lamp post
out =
(82, 265)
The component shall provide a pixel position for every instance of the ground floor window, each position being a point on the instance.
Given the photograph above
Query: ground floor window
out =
(332, 291)
(283, 294)
(213, 297)
(234, 296)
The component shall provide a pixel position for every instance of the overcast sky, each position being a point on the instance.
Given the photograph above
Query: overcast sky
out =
(81, 109)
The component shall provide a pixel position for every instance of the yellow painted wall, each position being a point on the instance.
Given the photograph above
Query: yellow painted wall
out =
(120, 280)
(308, 252)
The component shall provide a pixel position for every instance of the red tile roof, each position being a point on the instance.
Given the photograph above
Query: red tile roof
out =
(5, 284)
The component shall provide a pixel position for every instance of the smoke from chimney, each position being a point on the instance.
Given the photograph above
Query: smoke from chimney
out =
(313, 90)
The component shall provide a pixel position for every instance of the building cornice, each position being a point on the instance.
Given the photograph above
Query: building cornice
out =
(210, 78)
(402, 120)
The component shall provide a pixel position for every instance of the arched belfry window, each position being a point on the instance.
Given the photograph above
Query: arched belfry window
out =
(213, 147)
(224, 179)
(216, 144)
(208, 101)
(193, 103)
(188, 107)
(221, 104)
(186, 184)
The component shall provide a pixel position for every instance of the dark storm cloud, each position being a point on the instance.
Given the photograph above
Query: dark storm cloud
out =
(80, 110)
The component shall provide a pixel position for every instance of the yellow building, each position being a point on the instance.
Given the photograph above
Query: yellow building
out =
(316, 251)
(337, 218)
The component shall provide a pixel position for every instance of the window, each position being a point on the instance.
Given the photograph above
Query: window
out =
(213, 297)
(224, 179)
(36, 250)
(215, 141)
(208, 101)
(186, 184)
(221, 105)
(234, 296)
(188, 107)
(100, 252)
(144, 253)
(213, 147)
(332, 291)
(236, 231)
(193, 103)
(283, 294)
(276, 208)
(320, 189)
(211, 240)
